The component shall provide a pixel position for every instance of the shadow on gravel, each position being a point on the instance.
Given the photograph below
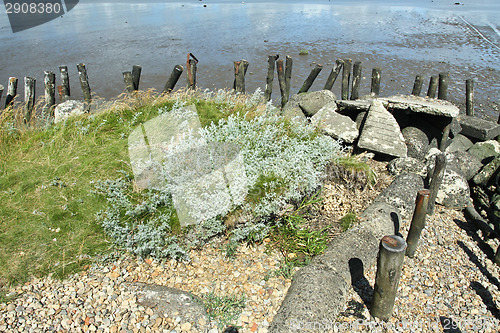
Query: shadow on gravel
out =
(359, 282)
(486, 297)
(449, 325)
(479, 265)
(472, 232)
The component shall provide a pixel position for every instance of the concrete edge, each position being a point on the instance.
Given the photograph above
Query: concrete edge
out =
(318, 291)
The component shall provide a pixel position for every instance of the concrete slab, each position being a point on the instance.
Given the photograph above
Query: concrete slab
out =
(417, 104)
(477, 128)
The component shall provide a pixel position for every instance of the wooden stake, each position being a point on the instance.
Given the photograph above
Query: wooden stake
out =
(356, 80)
(11, 92)
(469, 97)
(129, 81)
(240, 69)
(310, 79)
(433, 84)
(191, 73)
(437, 178)
(333, 74)
(136, 76)
(288, 75)
(65, 91)
(84, 82)
(417, 222)
(346, 78)
(389, 265)
(29, 97)
(172, 80)
(417, 86)
(281, 81)
(375, 87)
(50, 93)
(444, 79)
(271, 59)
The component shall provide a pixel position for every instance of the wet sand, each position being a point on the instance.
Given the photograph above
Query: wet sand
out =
(410, 38)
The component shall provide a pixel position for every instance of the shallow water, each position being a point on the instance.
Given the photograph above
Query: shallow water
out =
(410, 38)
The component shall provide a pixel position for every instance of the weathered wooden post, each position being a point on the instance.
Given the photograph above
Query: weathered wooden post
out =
(172, 80)
(417, 85)
(433, 84)
(469, 97)
(437, 178)
(288, 75)
(444, 79)
(136, 76)
(375, 86)
(191, 67)
(417, 222)
(333, 74)
(446, 134)
(50, 93)
(271, 59)
(346, 78)
(11, 92)
(240, 69)
(310, 79)
(389, 265)
(29, 96)
(65, 91)
(1, 92)
(84, 83)
(281, 81)
(129, 81)
(356, 80)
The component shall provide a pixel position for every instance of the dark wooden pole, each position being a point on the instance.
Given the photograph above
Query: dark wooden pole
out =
(288, 75)
(417, 85)
(310, 79)
(11, 92)
(389, 265)
(433, 84)
(444, 79)
(271, 59)
(240, 69)
(446, 134)
(29, 96)
(375, 87)
(346, 78)
(333, 74)
(191, 73)
(417, 222)
(84, 82)
(281, 81)
(437, 178)
(469, 97)
(1, 92)
(174, 77)
(65, 91)
(129, 81)
(136, 76)
(356, 80)
(50, 93)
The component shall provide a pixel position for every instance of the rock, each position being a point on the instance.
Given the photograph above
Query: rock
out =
(360, 119)
(67, 109)
(312, 102)
(485, 151)
(167, 301)
(417, 142)
(455, 127)
(488, 171)
(335, 125)
(402, 165)
(381, 133)
(458, 143)
(454, 191)
(469, 164)
(477, 128)
(417, 104)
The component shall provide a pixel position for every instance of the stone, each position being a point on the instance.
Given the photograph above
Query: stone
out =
(402, 165)
(417, 142)
(312, 102)
(381, 133)
(458, 143)
(455, 127)
(478, 128)
(485, 151)
(488, 171)
(360, 119)
(334, 124)
(68, 109)
(469, 164)
(426, 105)
(164, 300)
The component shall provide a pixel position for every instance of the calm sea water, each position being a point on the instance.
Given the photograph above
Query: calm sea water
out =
(404, 38)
